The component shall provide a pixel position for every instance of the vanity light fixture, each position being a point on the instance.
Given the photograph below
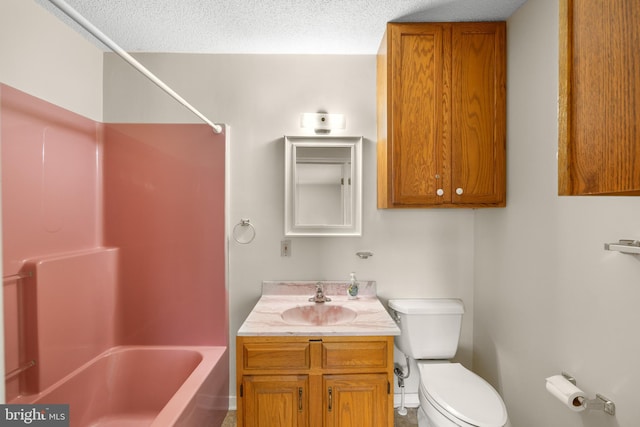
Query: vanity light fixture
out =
(322, 122)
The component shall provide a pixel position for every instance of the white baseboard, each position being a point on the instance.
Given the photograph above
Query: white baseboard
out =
(411, 400)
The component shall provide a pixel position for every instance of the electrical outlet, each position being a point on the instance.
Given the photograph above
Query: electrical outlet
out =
(285, 247)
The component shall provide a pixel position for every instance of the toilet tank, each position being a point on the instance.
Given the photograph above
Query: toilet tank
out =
(429, 328)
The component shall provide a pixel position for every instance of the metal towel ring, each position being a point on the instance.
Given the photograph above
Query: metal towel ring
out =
(244, 232)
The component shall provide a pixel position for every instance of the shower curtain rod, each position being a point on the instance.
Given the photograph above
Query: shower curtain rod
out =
(73, 14)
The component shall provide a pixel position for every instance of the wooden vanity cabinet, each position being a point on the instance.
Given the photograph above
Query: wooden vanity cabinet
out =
(441, 103)
(599, 98)
(314, 382)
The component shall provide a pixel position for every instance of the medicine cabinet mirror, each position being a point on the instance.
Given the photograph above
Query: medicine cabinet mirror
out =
(323, 186)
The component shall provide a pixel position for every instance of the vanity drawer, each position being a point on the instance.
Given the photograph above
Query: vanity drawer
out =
(358, 354)
(293, 355)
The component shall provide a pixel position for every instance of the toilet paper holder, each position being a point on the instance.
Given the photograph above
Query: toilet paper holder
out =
(600, 403)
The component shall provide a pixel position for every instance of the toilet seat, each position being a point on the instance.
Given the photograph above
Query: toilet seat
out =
(461, 395)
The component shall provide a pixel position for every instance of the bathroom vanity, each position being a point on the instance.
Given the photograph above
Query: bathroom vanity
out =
(300, 363)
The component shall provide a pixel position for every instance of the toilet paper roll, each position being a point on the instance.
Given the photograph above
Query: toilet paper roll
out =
(566, 392)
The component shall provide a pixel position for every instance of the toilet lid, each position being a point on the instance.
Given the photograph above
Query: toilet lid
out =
(462, 394)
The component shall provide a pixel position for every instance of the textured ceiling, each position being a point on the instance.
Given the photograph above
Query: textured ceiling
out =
(268, 26)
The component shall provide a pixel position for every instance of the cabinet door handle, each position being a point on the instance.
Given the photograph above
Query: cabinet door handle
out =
(330, 398)
(459, 191)
(440, 192)
(300, 399)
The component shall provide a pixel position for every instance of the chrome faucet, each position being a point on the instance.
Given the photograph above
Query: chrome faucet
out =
(319, 296)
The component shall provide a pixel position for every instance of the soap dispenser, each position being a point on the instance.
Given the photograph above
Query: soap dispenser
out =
(352, 290)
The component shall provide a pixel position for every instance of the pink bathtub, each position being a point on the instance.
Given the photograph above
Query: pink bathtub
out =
(135, 386)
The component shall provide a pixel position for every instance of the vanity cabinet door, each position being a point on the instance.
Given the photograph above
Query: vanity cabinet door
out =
(276, 401)
(356, 400)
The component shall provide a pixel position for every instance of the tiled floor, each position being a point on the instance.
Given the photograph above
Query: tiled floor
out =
(230, 419)
(409, 420)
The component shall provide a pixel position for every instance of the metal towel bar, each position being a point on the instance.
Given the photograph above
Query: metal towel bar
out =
(626, 246)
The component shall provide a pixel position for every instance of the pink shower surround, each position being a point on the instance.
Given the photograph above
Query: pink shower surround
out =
(164, 209)
(66, 321)
(122, 226)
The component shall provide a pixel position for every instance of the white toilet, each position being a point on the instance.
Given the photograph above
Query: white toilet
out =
(450, 395)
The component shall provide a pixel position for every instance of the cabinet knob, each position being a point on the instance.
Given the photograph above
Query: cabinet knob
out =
(459, 191)
(440, 192)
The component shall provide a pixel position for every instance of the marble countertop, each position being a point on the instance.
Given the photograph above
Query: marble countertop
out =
(265, 319)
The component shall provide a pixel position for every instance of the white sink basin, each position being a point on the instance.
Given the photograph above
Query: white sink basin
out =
(318, 314)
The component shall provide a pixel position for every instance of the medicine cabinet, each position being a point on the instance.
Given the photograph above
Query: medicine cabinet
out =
(323, 186)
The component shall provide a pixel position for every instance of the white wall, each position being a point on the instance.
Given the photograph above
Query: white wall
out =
(548, 298)
(417, 253)
(42, 56)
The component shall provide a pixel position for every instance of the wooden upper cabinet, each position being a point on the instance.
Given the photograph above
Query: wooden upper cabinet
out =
(599, 94)
(441, 115)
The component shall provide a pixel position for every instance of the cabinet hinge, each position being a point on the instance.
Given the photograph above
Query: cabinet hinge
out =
(388, 387)
(241, 390)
